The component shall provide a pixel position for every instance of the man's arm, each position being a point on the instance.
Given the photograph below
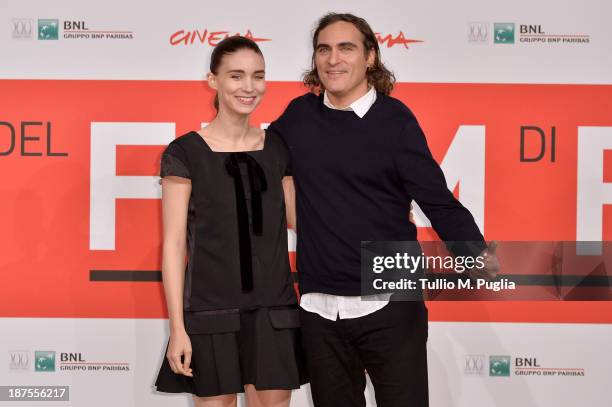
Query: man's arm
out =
(424, 181)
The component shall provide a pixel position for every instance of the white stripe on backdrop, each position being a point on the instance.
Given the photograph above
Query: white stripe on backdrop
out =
(458, 39)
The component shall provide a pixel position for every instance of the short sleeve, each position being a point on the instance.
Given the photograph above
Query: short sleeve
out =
(174, 162)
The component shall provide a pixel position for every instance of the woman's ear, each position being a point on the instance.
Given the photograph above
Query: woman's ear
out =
(211, 78)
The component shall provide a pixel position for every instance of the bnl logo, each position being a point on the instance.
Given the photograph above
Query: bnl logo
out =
(503, 33)
(45, 361)
(48, 29)
(499, 366)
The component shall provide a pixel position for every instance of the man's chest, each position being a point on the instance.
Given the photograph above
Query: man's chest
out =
(353, 153)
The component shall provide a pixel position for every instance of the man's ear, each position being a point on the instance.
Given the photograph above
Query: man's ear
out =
(371, 58)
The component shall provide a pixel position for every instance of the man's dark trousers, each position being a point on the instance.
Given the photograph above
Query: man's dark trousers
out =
(389, 343)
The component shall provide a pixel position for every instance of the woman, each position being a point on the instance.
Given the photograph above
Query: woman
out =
(232, 307)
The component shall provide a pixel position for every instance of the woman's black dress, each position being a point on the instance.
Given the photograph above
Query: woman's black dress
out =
(240, 307)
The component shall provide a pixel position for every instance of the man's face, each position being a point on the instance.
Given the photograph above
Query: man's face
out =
(341, 62)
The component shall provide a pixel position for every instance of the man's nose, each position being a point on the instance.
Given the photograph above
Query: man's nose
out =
(334, 57)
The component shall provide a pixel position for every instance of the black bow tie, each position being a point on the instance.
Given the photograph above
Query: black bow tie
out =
(257, 185)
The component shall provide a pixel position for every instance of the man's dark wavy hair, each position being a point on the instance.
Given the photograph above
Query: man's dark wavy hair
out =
(378, 75)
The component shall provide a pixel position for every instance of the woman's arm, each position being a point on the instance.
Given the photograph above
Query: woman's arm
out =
(289, 190)
(175, 201)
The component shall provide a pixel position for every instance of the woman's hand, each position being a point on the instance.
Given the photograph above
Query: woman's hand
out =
(180, 346)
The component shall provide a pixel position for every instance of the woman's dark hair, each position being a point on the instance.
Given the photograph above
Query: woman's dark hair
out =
(228, 46)
(378, 75)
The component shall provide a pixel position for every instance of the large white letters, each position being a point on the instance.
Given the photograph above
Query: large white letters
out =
(464, 164)
(593, 192)
(106, 186)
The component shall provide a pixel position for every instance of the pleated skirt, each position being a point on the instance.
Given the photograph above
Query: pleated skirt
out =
(232, 348)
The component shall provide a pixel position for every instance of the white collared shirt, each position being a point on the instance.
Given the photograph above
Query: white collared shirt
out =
(360, 106)
(333, 306)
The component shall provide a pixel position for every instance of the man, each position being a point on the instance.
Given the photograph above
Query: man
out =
(359, 158)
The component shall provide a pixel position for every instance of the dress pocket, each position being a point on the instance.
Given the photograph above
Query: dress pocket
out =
(284, 318)
(212, 322)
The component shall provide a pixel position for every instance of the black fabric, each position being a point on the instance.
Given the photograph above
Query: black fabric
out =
(246, 349)
(172, 162)
(212, 322)
(390, 344)
(239, 299)
(285, 318)
(257, 185)
(214, 278)
(355, 178)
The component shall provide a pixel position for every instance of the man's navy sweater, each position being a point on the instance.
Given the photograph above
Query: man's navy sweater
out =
(355, 178)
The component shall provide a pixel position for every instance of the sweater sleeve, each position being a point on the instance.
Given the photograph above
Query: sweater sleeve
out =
(281, 128)
(424, 181)
(281, 151)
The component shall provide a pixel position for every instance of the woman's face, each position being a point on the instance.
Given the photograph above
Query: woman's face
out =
(240, 81)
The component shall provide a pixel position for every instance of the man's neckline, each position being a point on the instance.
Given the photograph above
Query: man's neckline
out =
(360, 106)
